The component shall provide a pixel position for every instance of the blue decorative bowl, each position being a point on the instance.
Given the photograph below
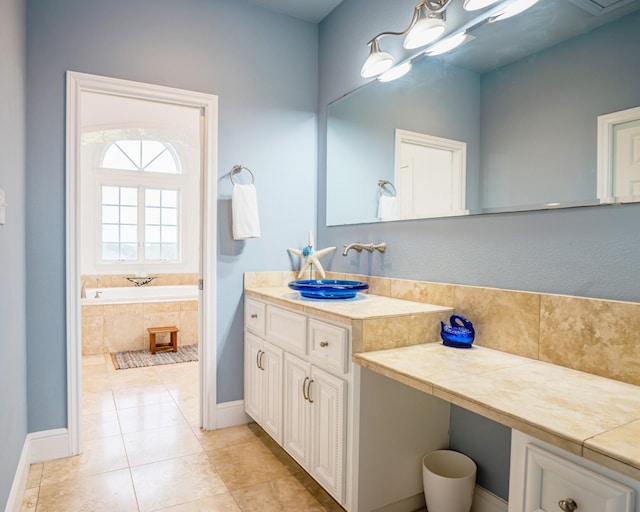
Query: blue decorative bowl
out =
(332, 289)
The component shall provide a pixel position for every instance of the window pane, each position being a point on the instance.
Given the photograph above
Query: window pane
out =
(129, 196)
(170, 198)
(152, 216)
(129, 215)
(169, 216)
(129, 251)
(169, 234)
(169, 251)
(110, 252)
(152, 234)
(152, 197)
(128, 234)
(165, 163)
(110, 234)
(114, 158)
(152, 251)
(110, 195)
(150, 150)
(132, 149)
(110, 214)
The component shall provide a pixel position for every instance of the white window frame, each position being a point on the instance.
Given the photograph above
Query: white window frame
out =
(141, 181)
(187, 183)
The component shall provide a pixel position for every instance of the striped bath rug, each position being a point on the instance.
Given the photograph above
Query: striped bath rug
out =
(140, 358)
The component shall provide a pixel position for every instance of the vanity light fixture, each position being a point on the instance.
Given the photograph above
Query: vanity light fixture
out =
(425, 28)
(428, 25)
(448, 44)
(395, 72)
(377, 62)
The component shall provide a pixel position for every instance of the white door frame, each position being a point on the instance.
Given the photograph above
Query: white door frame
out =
(606, 125)
(81, 82)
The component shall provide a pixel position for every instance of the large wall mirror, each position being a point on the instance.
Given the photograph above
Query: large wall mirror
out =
(541, 111)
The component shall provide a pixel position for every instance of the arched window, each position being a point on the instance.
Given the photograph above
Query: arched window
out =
(140, 196)
(141, 155)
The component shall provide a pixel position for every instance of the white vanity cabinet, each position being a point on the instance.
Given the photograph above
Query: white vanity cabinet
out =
(263, 384)
(315, 422)
(360, 435)
(296, 382)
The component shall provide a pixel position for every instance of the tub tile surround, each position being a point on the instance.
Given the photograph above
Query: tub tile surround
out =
(110, 328)
(557, 367)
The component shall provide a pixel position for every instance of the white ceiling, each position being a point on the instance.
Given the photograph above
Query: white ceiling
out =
(308, 10)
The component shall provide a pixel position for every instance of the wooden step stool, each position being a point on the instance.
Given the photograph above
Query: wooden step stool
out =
(173, 343)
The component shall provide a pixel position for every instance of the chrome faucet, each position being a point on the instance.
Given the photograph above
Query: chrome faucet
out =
(83, 288)
(370, 247)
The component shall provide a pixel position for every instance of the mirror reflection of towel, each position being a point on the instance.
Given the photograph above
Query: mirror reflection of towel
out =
(388, 208)
(244, 212)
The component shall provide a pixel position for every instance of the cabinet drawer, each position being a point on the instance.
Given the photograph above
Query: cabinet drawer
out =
(551, 479)
(254, 315)
(287, 330)
(328, 345)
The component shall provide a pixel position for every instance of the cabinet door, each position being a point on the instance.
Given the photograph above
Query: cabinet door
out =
(327, 396)
(271, 363)
(296, 409)
(252, 377)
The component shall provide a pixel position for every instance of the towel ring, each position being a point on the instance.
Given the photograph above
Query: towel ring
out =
(238, 168)
(383, 183)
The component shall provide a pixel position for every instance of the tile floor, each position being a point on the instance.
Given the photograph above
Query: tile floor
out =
(143, 451)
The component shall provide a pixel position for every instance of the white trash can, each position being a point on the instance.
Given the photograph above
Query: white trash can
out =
(449, 479)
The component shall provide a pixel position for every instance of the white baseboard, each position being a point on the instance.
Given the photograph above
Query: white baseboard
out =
(48, 445)
(484, 501)
(230, 414)
(38, 447)
(16, 495)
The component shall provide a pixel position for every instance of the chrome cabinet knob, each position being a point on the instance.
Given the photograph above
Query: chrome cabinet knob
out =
(568, 505)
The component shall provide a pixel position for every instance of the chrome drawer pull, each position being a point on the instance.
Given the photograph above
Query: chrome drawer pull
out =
(261, 367)
(258, 359)
(568, 505)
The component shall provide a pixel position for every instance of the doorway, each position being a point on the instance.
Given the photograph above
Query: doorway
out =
(143, 165)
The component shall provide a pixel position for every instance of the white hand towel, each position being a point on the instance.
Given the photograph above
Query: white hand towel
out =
(387, 208)
(244, 212)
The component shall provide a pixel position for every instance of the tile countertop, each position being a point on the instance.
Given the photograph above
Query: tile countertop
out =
(588, 415)
(362, 307)
(591, 416)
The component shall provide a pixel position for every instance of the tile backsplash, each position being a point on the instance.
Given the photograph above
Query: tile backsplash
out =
(597, 336)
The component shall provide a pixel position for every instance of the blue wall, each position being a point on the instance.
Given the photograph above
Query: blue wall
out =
(13, 365)
(262, 66)
(591, 252)
(555, 106)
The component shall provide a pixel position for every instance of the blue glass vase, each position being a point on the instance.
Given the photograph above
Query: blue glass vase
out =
(460, 334)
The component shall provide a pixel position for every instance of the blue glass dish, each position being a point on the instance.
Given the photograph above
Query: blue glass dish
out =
(331, 289)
